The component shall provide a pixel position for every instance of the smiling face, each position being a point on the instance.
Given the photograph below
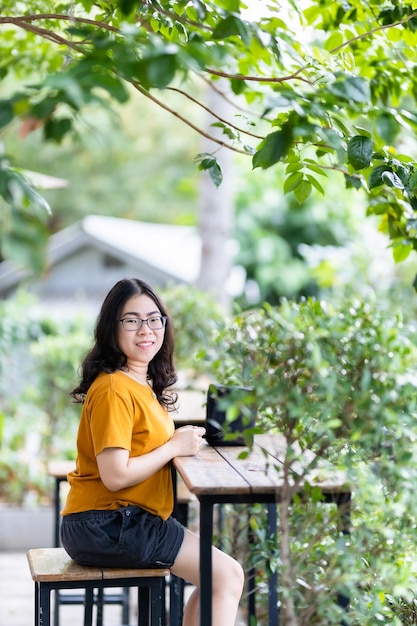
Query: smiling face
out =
(140, 346)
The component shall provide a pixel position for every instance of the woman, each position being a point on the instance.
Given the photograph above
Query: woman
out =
(118, 510)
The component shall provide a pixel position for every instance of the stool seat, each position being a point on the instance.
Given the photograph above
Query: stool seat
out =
(53, 569)
(54, 564)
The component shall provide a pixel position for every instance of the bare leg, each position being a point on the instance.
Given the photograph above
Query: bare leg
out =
(228, 579)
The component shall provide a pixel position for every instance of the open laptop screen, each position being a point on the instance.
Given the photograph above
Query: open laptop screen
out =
(221, 431)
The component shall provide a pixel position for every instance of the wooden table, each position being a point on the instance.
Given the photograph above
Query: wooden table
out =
(217, 475)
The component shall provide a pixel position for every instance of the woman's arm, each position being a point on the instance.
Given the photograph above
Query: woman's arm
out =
(118, 470)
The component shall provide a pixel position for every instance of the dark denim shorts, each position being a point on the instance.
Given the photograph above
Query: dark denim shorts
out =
(126, 537)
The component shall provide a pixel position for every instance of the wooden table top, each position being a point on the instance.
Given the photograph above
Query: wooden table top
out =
(220, 470)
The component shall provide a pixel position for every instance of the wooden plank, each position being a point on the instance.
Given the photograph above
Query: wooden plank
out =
(54, 564)
(208, 473)
(320, 472)
(112, 573)
(259, 472)
(262, 469)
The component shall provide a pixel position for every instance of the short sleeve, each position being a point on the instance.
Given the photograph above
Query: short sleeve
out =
(111, 421)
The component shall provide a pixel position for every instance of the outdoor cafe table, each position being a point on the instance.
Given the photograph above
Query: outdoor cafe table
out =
(217, 475)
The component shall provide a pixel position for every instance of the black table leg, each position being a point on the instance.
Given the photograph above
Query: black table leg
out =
(344, 502)
(206, 566)
(273, 608)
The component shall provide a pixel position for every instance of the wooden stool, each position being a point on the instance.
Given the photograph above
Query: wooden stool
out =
(53, 569)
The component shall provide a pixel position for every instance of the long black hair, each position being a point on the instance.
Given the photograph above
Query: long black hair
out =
(106, 356)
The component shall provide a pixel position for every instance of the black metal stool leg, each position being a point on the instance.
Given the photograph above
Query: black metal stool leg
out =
(56, 607)
(126, 605)
(44, 607)
(176, 600)
(99, 600)
(88, 606)
(143, 606)
(36, 604)
(157, 601)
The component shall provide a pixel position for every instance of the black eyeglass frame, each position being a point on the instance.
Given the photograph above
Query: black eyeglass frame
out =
(162, 318)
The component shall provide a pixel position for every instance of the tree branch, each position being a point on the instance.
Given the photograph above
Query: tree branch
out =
(37, 30)
(198, 130)
(217, 117)
(373, 31)
(261, 79)
(17, 21)
(213, 85)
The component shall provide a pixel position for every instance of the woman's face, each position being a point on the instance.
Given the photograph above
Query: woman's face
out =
(142, 344)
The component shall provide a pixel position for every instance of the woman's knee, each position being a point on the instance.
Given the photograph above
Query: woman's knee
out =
(228, 574)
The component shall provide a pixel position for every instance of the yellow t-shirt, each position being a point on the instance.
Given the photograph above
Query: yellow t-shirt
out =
(118, 412)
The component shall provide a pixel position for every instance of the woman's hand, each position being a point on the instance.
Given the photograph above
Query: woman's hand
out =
(187, 440)
(118, 470)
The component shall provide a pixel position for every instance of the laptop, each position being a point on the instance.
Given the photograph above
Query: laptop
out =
(219, 430)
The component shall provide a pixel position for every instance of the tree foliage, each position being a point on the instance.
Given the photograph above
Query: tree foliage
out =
(316, 86)
(336, 379)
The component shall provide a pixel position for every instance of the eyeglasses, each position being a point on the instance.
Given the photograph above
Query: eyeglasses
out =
(135, 323)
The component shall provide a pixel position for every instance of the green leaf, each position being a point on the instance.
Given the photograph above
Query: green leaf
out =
(238, 86)
(412, 183)
(6, 113)
(303, 191)
(334, 41)
(44, 108)
(210, 164)
(274, 147)
(20, 194)
(57, 129)
(24, 233)
(387, 127)
(375, 178)
(127, 6)
(315, 183)
(359, 152)
(352, 88)
(401, 252)
(113, 85)
(25, 241)
(292, 181)
(352, 182)
(392, 180)
(157, 71)
(232, 26)
(315, 168)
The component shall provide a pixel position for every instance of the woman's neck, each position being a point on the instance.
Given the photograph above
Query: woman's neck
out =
(138, 372)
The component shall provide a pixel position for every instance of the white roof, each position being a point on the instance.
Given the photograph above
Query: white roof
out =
(173, 249)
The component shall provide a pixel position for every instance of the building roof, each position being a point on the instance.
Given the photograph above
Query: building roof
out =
(171, 253)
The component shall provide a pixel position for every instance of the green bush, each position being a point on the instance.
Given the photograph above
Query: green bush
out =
(39, 361)
(338, 380)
